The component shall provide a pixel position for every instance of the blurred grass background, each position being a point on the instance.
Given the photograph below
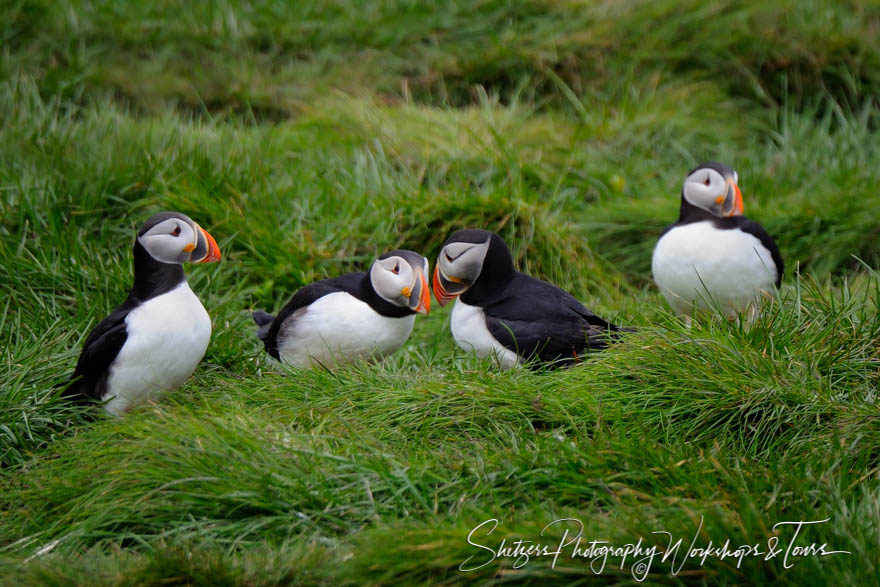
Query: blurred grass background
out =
(308, 138)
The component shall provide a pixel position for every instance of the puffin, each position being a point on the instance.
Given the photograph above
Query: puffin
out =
(362, 315)
(510, 316)
(713, 254)
(154, 340)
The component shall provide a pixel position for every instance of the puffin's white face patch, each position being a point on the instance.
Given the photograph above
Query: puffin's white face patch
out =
(169, 240)
(390, 277)
(706, 188)
(463, 261)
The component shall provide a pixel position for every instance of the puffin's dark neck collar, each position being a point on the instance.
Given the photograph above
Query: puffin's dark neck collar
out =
(151, 277)
(689, 213)
(381, 305)
(496, 273)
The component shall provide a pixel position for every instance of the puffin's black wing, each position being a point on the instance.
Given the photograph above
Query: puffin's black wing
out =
(350, 282)
(537, 319)
(103, 344)
(756, 230)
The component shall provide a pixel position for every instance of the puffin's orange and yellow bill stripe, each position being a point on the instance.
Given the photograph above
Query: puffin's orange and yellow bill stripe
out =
(213, 249)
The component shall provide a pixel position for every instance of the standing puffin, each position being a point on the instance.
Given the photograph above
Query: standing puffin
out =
(153, 342)
(350, 317)
(506, 314)
(714, 254)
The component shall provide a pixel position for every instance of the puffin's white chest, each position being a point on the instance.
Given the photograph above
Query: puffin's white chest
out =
(471, 334)
(696, 263)
(339, 328)
(167, 337)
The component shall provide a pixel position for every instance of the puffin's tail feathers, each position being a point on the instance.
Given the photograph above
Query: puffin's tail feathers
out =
(69, 388)
(75, 389)
(264, 321)
(618, 332)
(602, 338)
(262, 318)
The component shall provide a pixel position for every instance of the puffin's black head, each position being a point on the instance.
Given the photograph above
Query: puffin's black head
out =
(400, 277)
(172, 237)
(471, 259)
(712, 187)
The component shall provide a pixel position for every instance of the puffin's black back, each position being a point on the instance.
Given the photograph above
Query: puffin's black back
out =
(89, 378)
(536, 319)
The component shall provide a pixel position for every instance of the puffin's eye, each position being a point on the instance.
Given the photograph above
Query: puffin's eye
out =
(707, 181)
(176, 231)
(396, 269)
(448, 258)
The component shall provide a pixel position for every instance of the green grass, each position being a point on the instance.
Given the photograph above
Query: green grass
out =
(310, 138)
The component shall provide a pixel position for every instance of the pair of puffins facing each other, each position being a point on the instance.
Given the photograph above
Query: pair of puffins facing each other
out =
(713, 256)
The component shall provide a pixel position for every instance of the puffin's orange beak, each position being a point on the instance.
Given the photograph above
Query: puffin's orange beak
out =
(739, 200)
(443, 297)
(737, 209)
(423, 305)
(425, 295)
(213, 249)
